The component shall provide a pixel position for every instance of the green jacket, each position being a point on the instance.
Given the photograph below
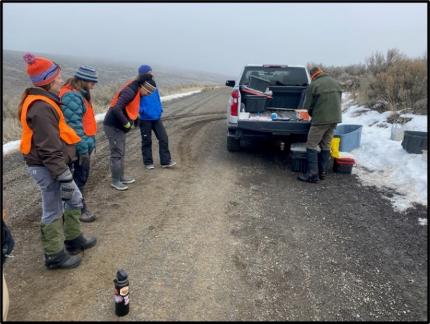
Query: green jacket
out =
(323, 101)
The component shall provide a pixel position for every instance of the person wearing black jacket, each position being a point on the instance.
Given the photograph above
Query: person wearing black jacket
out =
(119, 120)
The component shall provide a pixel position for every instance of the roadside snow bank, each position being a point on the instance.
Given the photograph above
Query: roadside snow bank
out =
(14, 145)
(383, 162)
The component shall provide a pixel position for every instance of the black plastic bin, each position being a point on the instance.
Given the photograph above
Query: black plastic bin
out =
(257, 83)
(298, 161)
(414, 142)
(255, 104)
(343, 165)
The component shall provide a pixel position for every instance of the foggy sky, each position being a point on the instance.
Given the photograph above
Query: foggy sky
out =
(217, 37)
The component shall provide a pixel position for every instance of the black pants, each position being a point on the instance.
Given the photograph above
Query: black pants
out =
(81, 173)
(146, 127)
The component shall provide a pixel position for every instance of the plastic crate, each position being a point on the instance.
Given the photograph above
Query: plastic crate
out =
(298, 161)
(298, 147)
(255, 104)
(343, 165)
(414, 142)
(350, 136)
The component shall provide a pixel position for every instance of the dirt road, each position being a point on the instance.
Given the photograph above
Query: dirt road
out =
(223, 236)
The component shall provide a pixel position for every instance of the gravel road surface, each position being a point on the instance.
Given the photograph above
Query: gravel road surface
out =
(222, 236)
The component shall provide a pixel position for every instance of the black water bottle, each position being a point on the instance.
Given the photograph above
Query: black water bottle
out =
(121, 293)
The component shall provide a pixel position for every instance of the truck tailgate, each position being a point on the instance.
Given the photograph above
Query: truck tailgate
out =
(278, 127)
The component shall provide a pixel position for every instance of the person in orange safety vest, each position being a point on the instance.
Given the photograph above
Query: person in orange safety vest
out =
(120, 119)
(78, 111)
(48, 146)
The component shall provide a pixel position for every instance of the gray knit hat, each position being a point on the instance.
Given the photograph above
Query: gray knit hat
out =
(87, 73)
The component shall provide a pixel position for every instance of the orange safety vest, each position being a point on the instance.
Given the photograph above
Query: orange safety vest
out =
(132, 109)
(88, 120)
(67, 133)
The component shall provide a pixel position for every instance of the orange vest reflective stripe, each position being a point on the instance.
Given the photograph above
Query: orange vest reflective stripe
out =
(67, 134)
(89, 123)
(132, 109)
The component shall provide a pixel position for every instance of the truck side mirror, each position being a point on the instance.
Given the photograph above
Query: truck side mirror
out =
(230, 83)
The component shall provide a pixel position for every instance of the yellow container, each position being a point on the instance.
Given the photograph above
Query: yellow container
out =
(334, 147)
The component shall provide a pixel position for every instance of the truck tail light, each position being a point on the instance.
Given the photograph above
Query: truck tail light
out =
(234, 105)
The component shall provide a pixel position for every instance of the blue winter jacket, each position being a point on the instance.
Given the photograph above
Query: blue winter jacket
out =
(73, 107)
(151, 107)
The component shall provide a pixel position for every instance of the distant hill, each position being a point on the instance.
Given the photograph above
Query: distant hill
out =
(15, 78)
(111, 74)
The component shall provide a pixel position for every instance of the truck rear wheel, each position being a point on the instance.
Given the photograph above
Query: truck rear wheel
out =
(233, 144)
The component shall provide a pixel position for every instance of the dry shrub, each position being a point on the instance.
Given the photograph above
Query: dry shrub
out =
(385, 82)
(405, 83)
(395, 82)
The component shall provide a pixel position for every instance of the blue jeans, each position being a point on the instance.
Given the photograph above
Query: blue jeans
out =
(52, 205)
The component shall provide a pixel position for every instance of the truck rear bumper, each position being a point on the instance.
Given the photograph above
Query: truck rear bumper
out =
(283, 128)
(268, 129)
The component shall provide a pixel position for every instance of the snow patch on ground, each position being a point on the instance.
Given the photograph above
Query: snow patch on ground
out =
(383, 162)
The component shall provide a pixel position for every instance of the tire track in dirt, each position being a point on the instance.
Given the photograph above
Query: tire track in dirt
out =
(93, 260)
(222, 237)
(191, 105)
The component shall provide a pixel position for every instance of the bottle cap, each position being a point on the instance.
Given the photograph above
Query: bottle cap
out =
(121, 275)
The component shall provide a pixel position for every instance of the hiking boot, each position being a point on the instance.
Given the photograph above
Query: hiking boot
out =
(149, 166)
(80, 243)
(127, 180)
(86, 215)
(171, 164)
(118, 185)
(62, 260)
(312, 174)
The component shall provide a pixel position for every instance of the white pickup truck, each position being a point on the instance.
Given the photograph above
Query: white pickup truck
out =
(265, 103)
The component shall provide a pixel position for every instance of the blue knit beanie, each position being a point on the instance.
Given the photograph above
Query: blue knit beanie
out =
(87, 73)
(144, 69)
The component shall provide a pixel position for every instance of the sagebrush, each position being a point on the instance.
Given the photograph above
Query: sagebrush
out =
(390, 82)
